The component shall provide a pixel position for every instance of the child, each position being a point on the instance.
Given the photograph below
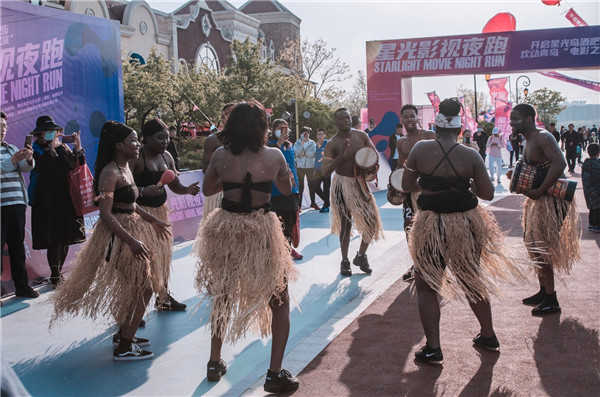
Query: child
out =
(591, 186)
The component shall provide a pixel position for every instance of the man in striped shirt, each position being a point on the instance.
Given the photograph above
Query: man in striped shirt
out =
(13, 200)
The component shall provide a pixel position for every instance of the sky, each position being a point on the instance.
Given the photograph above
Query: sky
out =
(348, 25)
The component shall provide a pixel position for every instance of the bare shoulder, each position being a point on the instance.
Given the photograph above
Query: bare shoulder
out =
(426, 134)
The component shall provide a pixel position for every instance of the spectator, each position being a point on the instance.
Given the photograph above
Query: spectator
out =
(172, 146)
(54, 224)
(516, 140)
(552, 130)
(495, 144)
(13, 201)
(392, 140)
(481, 137)
(570, 142)
(286, 207)
(468, 142)
(305, 149)
(511, 153)
(590, 175)
(319, 178)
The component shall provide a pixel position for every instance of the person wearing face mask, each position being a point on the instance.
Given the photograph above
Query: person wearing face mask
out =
(54, 224)
(468, 142)
(305, 150)
(286, 207)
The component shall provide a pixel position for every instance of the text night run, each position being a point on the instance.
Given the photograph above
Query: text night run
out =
(27, 87)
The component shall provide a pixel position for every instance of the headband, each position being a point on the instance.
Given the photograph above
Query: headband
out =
(443, 121)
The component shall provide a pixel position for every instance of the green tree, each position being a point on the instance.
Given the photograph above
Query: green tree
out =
(548, 104)
(321, 115)
(248, 76)
(145, 89)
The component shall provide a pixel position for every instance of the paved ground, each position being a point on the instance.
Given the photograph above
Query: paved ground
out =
(350, 336)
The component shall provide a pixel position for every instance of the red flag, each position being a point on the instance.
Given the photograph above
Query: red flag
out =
(574, 18)
(498, 88)
(592, 85)
(503, 109)
(435, 101)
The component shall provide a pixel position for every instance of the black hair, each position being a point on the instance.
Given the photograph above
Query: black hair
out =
(339, 110)
(321, 129)
(246, 128)
(399, 125)
(450, 108)
(171, 128)
(277, 123)
(152, 127)
(112, 133)
(227, 106)
(3, 115)
(525, 110)
(409, 106)
(593, 149)
(355, 120)
(305, 129)
(552, 125)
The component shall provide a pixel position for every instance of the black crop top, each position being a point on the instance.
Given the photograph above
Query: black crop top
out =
(439, 183)
(246, 186)
(147, 178)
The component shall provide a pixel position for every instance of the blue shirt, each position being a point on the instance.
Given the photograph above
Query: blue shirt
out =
(290, 159)
(319, 155)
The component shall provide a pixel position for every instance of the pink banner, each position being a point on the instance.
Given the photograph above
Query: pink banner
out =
(435, 101)
(574, 18)
(498, 88)
(592, 85)
(467, 118)
(503, 109)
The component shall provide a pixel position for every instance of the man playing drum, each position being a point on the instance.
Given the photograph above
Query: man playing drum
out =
(350, 199)
(549, 223)
(404, 145)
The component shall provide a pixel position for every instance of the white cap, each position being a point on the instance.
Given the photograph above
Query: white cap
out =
(495, 131)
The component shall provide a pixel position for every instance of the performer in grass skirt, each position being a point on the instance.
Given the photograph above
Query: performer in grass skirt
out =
(551, 233)
(456, 245)
(244, 259)
(112, 275)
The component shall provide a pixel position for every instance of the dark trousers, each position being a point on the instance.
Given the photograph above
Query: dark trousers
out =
(316, 188)
(13, 234)
(394, 164)
(511, 154)
(594, 217)
(572, 161)
(288, 221)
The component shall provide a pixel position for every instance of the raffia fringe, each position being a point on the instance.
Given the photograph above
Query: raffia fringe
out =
(244, 260)
(473, 248)
(95, 288)
(161, 247)
(548, 237)
(210, 204)
(351, 202)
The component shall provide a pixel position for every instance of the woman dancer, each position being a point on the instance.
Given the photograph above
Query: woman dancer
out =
(112, 273)
(244, 259)
(451, 231)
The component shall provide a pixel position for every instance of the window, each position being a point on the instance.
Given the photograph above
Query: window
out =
(206, 56)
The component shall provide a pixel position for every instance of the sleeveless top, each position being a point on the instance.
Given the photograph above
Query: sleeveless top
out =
(244, 207)
(450, 201)
(147, 178)
(124, 194)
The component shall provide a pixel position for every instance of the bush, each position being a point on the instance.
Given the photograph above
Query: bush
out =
(191, 151)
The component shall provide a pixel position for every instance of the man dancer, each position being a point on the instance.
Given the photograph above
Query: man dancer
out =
(351, 200)
(409, 114)
(549, 223)
(212, 143)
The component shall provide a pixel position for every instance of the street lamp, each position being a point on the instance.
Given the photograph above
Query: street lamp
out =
(526, 83)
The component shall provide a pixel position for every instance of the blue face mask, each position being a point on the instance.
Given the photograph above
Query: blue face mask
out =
(49, 135)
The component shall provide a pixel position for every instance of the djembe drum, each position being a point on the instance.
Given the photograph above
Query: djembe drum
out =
(527, 177)
(367, 163)
(395, 194)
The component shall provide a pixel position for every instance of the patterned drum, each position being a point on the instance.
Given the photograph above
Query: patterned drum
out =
(395, 194)
(527, 177)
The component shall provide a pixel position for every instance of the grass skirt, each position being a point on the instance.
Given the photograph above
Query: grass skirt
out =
(161, 247)
(352, 202)
(471, 246)
(97, 287)
(551, 232)
(211, 203)
(244, 260)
